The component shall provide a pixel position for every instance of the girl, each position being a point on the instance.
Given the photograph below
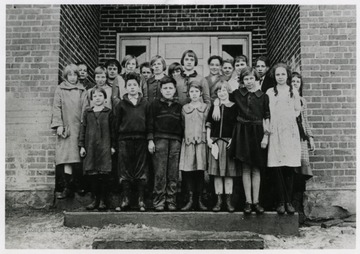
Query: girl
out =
(215, 63)
(249, 137)
(219, 133)
(158, 66)
(189, 60)
(228, 70)
(175, 69)
(145, 70)
(240, 63)
(70, 102)
(97, 145)
(284, 153)
(115, 81)
(193, 150)
(100, 79)
(130, 64)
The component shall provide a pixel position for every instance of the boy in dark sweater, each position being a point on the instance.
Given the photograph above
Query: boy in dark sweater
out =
(164, 136)
(131, 129)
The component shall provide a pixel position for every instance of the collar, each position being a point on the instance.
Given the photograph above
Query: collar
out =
(66, 85)
(229, 104)
(192, 75)
(152, 79)
(127, 100)
(188, 108)
(105, 109)
(244, 92)
(167, 101)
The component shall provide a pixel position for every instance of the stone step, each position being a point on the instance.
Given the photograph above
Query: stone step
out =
(267, 223)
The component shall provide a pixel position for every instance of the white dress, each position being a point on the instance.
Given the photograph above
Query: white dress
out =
(284, 142)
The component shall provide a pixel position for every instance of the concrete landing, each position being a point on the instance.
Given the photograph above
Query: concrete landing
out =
(268, 223)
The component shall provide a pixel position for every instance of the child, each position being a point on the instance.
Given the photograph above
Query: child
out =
(193, 149)
(130, 133)
(145, 70)
(158, 66)
(83, 74)
(96, 144)
(262, 66)
(70, 102)
(115, 81)
(215, 63)
(175, 69)
(249, 138)
(189, 60)
(228, 70)
(100, 79)
(219, 133)
(284, 153)
(130, 64)
(164, 136)
(240, 63)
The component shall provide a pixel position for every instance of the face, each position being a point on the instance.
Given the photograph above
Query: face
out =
(82, 71)
(296, 82)
(239, 66)
(112, 71)
(249, 81)
(223, 93)
(194, 94)
(158, 67)
(189, 62)
(72, 77)
(146, 72)
(281, 76)
(100, 79)
(227, 69)
(98, 98)
(261, 68)
(168, 90)
(176, 73)
(131, 65)
(132, 87)
(215, 67)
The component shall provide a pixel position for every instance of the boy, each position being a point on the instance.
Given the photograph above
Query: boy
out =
(262, 67)
(146, 71)
(83, 74)
(130, 133)
(164, 136)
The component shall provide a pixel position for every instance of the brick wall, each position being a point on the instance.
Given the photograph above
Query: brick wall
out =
(32, 63)
(79, 36)
(283, 28)
(328, 56)
(178, 18)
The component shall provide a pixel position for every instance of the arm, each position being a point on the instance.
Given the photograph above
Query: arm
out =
(115, 92)
(206, 91)
(150, 130)
(56, 118)
(209, 122)
(297, 103)
(144, 88)
(81, 142)
(112, 132)
(306, 125)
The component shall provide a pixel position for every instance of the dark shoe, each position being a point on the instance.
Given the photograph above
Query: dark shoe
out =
(247, 208)
(202, 207)
(66, 193)
(218, 205)
(102, 205)
(171, 207)
(280, 209)
(289, 208)
(141, 204)
(93, 205)
(258, 208)
(190, 203)
(159, 209)
(229, 206)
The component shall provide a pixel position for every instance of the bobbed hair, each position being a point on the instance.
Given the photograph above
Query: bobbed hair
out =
(190, 53)
(155, 58)
(70, 68)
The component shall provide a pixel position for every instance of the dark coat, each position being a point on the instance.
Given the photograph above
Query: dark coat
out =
(97, 138)
(267, 83)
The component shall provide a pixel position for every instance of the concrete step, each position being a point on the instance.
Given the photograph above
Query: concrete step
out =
(267, 223)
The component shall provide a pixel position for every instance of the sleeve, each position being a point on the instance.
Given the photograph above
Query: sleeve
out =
(297, 103)
(56, 118)
(206, 91)
(112, 130)
(266, 107)
(85, 103)
(144, 88)
(83, 126)
(209, 119)
(116, 121)
(183, 118)
(115, 92)
(305, 122)
(150, 125)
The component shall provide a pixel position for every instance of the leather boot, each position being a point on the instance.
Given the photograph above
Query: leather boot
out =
(126, 192)
(67, 192)
(229, 206)
(218, 205)
(202, 207)
(141, 187)
(190, 203)
(94, 204)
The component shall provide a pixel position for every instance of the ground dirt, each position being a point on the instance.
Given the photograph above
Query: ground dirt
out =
(45, 230)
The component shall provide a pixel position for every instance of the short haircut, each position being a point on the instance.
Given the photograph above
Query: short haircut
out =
(221, 84)
(215, 57)
(70, 68)
(264, 59)
(132, 75)
(247, 71)
(100, 69)
(128, 58)
(191, 53)
(166, 80)
(241, 58)
(145, 65)
(113, 62)
(196, 84)
(173, 67)
(97, 89)
(155, 58)
(82, 63)
(230, 61)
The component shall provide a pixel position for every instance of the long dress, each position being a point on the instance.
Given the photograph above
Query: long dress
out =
(284, 142)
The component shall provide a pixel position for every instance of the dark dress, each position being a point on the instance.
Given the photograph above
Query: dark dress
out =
(97, 139)
(248, 133)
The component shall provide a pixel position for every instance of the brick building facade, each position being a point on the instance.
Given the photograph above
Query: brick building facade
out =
(320, 41)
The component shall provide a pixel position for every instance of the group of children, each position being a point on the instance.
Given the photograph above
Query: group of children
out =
(237, 121)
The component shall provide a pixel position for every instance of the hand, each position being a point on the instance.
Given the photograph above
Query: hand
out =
(60, 130)
(209, 142)
(151, 147)
(229, 144)
(312, 144)
(112, 150)
(216, 113)
(82, 152)
(264, 141)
